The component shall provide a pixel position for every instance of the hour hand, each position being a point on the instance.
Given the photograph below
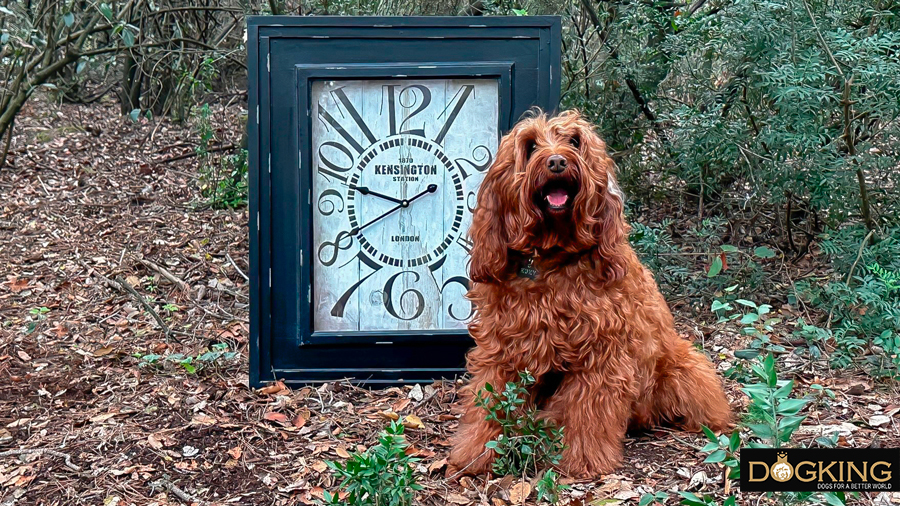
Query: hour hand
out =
(366, 191)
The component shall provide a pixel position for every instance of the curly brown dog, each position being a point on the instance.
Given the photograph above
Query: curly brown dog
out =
(560, 292)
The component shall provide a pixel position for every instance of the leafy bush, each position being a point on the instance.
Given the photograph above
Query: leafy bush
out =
(381, 476)
(223, 180)
(862, 301)
(526, 443)
(776, 411)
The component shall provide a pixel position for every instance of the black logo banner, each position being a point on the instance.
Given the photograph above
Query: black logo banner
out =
(820, 469)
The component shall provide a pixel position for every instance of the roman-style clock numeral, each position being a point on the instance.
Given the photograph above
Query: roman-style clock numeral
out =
(463, 95)
(389, 299)
(482, 161)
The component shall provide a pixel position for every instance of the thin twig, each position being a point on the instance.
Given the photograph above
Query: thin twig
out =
(852, 268)
(166, 274)
(457, 473)
(142, 301)
(41, 451)
(822, 40)
(238, 269)
(166, 483)
(227, 147)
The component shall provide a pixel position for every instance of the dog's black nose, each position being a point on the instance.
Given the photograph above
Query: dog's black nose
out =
(556, 163)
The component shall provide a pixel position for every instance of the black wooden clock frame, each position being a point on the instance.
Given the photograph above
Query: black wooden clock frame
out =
(285, 55)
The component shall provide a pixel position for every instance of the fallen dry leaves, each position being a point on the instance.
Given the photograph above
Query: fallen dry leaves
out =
(85, 198)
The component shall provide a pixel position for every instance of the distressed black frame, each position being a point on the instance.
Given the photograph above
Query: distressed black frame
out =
(523, 53)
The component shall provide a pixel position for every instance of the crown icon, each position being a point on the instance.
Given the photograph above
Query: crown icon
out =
(782, 455)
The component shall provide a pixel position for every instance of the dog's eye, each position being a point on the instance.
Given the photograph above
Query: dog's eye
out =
(529, 148)
(575, 141)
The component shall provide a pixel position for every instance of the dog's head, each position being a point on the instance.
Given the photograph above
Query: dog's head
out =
(551, 190)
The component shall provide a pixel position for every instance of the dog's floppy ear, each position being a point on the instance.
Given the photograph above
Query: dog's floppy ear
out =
(490, 238)
(610, 229)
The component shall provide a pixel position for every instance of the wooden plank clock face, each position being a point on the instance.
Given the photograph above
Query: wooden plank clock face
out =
(396, 170)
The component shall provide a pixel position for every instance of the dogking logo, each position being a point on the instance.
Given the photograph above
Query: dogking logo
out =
(781, 470)
(815, 469)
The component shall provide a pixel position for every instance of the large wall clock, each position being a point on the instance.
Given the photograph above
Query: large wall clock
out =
(369, 139)
(397, 167)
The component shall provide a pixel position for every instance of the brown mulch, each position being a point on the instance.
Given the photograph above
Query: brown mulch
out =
(93, 200)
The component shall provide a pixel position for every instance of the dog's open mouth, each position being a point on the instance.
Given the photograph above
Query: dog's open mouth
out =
(557, 195)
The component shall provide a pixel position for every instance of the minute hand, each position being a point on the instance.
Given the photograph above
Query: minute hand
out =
(403, 204)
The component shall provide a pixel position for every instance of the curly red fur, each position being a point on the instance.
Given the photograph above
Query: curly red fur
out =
(593, 319)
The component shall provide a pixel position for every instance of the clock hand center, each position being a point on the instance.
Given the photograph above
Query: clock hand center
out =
(403, 204)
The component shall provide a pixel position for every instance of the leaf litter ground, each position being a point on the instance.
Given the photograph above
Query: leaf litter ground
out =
(92, 200)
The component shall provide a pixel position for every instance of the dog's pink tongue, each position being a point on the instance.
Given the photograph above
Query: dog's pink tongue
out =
(557, 198)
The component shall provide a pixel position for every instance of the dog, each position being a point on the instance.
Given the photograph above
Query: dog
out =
(559, 292)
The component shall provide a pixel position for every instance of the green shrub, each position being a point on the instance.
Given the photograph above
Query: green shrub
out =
(526, 444)
(381, 476)
(862, 300)
(223, 180)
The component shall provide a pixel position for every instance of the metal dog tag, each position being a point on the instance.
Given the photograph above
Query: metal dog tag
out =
(528, 270)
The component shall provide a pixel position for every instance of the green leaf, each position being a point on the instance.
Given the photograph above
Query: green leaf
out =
(761, 430)
(715, 268)
(745, 302)
(728, 248)
(719, 305)
(710, 434)
(69, 19)
(763, 252)
(716, 456)
(646, 499)
(749, 318)
(520, 12)
(128, 37)
(791, 406)
(735, 442)
(134, 114)
(189, 368)
(729, 501)
(107, 12)
(747, 354)
(835, 498)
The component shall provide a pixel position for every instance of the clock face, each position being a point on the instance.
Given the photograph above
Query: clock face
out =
(397, 165)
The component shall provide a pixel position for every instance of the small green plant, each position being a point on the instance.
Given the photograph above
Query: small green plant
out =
(772, 406)
(39, 314)
(724, 449)
(192, 364)
(654, 498)
(526, 443)
(172, 308)
(223, 181)
(548, 487)
(381, 476)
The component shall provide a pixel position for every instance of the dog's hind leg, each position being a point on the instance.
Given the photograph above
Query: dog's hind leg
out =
(688, 391)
